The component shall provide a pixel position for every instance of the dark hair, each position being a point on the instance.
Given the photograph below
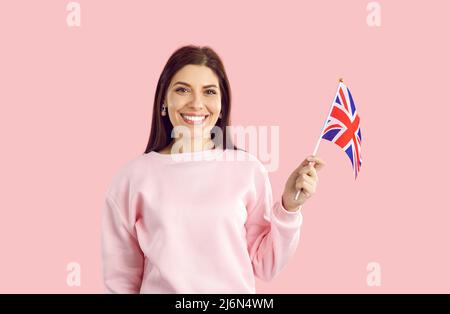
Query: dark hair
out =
(161, 128)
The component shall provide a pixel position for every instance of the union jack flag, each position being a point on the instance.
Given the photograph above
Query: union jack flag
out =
(342, 126)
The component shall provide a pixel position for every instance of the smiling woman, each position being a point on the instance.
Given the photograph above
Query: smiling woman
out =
(194, 104)
(196, 117)
(209, 225)
(195, 92)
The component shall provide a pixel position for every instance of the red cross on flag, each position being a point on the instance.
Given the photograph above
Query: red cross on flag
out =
(342, 127)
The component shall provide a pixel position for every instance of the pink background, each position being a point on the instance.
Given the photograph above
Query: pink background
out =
(76, 104)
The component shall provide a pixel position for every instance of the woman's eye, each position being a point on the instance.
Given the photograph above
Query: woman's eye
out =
(182, 89)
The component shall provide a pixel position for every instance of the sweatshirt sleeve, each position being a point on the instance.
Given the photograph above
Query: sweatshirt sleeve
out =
(122, 258)
(273, 232)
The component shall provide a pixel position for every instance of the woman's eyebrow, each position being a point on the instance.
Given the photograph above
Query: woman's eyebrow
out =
(206, 86)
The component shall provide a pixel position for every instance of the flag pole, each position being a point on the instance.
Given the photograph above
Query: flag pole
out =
(323, 128)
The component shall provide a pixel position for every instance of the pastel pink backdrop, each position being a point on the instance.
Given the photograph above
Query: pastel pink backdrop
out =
(76, 104)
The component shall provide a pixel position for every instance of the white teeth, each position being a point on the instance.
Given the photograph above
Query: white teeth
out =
(194, 118)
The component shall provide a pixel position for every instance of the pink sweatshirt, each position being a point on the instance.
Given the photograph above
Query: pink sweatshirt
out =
(198, 222)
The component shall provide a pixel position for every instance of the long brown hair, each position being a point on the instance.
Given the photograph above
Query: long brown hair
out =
(161, 128)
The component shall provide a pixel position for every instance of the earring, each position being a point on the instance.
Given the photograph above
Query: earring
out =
(220, 115)
(163, 112)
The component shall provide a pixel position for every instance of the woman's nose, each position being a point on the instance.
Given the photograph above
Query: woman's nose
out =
(197, 102)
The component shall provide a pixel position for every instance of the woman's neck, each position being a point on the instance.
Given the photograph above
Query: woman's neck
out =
(186, 146)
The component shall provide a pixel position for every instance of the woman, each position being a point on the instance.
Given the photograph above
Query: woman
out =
(194, 214)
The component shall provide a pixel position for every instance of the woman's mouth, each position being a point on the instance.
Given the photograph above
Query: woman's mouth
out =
(193, 119)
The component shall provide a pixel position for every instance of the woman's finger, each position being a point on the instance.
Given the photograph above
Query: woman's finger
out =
(305, 184)
(309, 170)
(306, 178)
(310, 186)
(304, 163)
(306, 188)
(317, 161)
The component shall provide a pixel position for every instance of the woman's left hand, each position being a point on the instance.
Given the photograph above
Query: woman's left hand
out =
(303, 178)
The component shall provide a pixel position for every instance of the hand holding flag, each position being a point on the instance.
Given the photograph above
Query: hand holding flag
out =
(304, 178)
(342, 128)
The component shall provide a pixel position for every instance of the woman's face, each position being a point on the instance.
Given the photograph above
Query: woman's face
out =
(193, 99)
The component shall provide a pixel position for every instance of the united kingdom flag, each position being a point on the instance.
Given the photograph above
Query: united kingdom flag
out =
(342, 126)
